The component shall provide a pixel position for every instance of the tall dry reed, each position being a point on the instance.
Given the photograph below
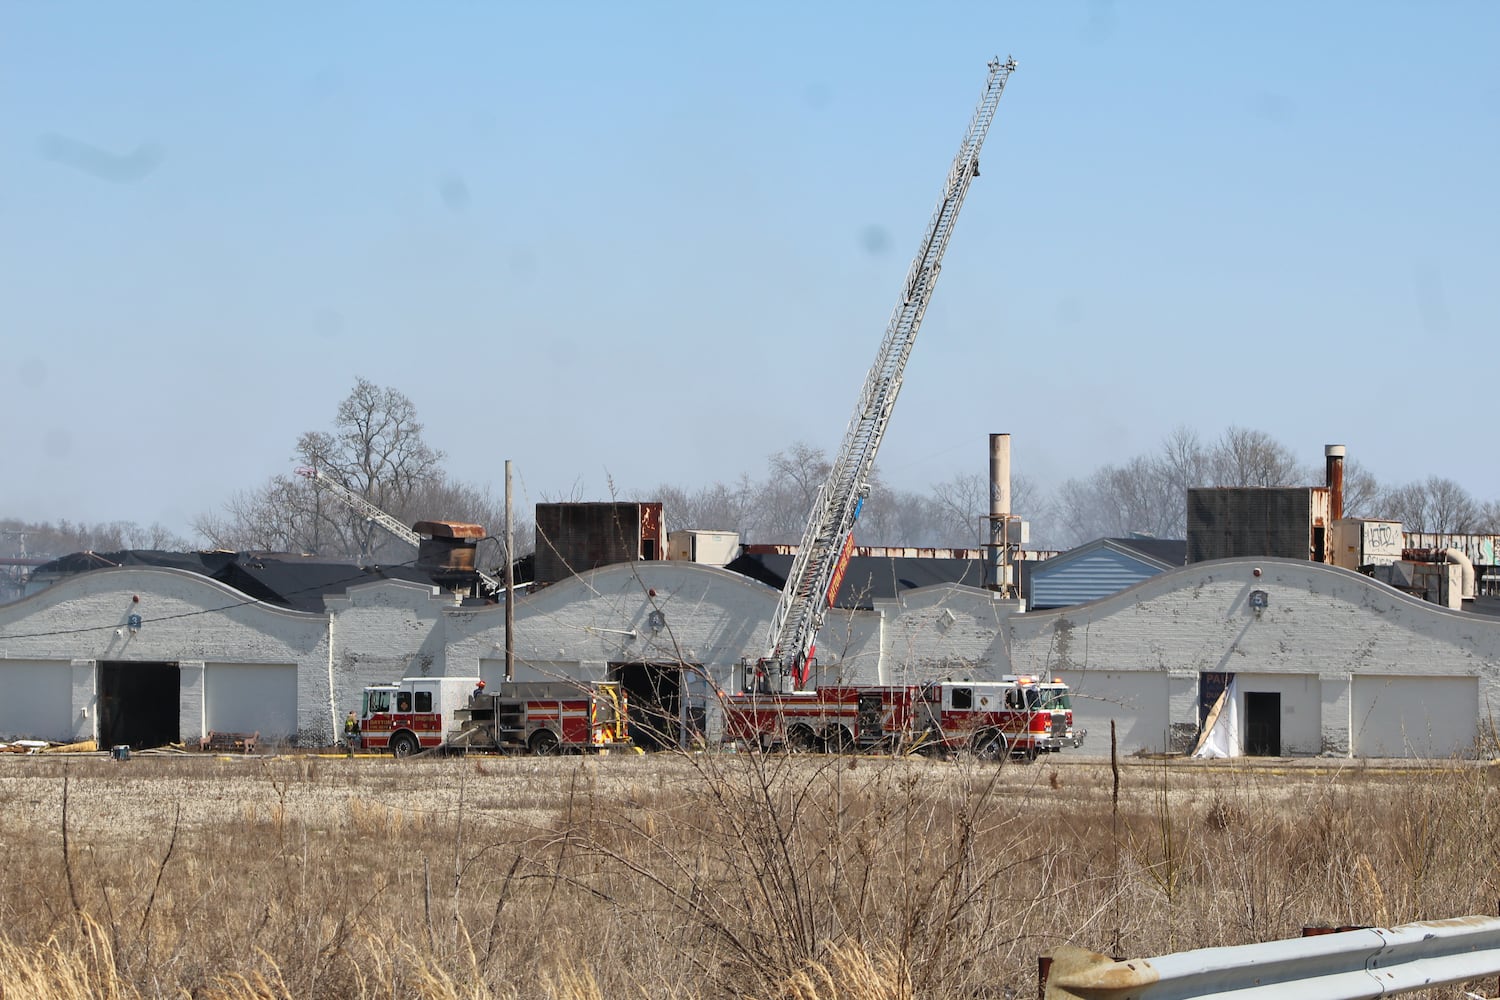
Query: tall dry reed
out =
(695, 875)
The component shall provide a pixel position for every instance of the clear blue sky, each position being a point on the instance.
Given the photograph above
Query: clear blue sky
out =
(656, 242)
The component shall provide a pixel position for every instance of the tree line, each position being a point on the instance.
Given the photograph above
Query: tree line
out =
(376, 449)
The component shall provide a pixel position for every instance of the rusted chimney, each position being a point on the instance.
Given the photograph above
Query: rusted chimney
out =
(1334, 456)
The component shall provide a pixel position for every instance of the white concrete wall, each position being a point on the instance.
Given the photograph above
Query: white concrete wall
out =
(385, 631)
(946, 630)
(1319, 621)
(186, 618)
(1301, 708)
(1136, 701)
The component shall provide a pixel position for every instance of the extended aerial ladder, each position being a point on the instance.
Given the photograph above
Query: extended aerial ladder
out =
(824, 553)
(363, 507)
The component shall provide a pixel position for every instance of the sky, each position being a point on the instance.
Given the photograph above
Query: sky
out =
(623, 245)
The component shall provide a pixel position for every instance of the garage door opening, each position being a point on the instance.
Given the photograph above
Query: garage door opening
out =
(1263, 723)
(139, 704)
(654, 692)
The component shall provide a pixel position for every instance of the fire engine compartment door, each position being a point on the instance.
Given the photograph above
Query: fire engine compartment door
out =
(871, 715)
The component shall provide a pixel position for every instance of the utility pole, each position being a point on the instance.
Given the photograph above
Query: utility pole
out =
(510, 583)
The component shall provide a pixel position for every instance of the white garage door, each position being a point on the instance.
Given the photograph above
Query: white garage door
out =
(1136, 700)
(251, 698)
(36, 700)
(1427, 717)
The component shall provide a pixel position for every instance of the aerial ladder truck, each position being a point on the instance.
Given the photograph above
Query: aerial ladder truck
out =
(364, 508)
(817, 571)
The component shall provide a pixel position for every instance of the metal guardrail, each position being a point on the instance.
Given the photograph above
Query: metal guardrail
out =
(1350, 965)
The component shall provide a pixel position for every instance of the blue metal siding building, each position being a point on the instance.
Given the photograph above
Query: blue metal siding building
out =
(1100, 568)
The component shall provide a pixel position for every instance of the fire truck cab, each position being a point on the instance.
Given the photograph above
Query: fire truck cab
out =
(412, 715)
(1051, 703)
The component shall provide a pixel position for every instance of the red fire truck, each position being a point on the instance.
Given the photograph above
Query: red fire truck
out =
(1016, 716)
(544, 717)
(456, 713)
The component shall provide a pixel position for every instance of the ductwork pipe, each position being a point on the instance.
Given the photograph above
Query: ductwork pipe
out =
(1457, 557)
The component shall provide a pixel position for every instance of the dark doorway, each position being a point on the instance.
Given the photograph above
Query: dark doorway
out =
(139, 704)
(1263, 723)
(654, 693)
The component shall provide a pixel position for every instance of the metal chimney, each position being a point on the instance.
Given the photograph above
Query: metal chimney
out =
(999, 474)
(1334, 480)
(997, 567)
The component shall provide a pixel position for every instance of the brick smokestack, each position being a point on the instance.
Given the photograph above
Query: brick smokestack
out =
(1334, 456)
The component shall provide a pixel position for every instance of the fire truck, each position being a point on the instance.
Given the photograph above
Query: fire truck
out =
(544, 717)
(1019, 716)
(457, 713)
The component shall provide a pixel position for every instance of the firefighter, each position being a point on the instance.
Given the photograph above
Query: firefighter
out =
(351, 730)
(478, 690)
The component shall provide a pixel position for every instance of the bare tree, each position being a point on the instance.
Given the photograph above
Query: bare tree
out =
(1361, 491)
(375, 450)
(958, 507)
(1432, 505)
(785, 499)
(46, 539)
(1488, 521)
(1243, 457)
(1135, 498)
(1184, 464)
(716, 507)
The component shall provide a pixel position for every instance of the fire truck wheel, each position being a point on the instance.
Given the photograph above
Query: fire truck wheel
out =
(543, 743)
(838, 740)
(404, 745)
(801, 739)
(989, 744)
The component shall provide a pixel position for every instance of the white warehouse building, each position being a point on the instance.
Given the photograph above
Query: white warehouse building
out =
(1325, 660)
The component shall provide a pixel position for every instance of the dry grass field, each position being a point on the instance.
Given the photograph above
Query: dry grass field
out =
(670, 876)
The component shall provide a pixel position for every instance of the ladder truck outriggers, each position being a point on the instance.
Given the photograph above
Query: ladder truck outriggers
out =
(774, 687)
